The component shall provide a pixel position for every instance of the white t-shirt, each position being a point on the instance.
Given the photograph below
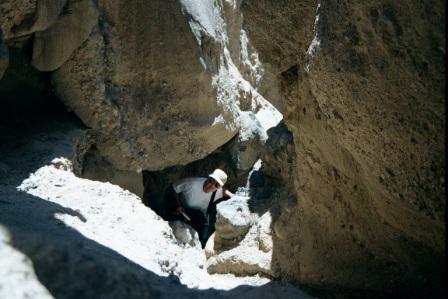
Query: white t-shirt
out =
(193, 196)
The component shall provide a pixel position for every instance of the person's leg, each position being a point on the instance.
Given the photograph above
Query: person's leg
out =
(199, 223)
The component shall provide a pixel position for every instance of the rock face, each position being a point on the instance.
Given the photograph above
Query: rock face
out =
(242, 242)
(233, 220)
(365, 104)
(158, 94)
(160, 83)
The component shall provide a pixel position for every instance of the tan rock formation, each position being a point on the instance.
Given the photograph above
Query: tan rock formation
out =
(366, 108)
(13, 13)
(44, 15)
(170, 91)
(142, 87)
(251, 255)
(233, 220)
(53, 46)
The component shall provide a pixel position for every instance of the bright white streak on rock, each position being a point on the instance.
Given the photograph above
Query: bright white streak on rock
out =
(232, 3)
(207, 17)
(251, 60)
(315, 43)
(228, 82)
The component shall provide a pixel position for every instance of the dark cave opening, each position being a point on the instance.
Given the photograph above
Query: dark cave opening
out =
(27, 100)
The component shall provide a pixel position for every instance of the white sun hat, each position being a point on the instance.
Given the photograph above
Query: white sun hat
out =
(219, 176)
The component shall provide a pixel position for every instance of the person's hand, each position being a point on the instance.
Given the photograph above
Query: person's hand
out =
(179, 210)
(227, 193)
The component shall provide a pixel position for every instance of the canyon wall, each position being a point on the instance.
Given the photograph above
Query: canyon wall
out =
(365, 103)
(361, 86)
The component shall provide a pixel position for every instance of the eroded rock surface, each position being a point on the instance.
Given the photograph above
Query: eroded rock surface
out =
(233, 220)
(248, 254)
(170, 82)
(243, 241)
(160, 83)
(365, 104)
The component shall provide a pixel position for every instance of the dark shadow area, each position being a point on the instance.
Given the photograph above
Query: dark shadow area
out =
(26, 95)
(30, 116)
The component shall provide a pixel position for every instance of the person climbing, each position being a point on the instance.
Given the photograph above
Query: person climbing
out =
(193, 200)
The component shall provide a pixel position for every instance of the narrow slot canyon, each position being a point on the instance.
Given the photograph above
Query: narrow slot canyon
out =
(327, 117)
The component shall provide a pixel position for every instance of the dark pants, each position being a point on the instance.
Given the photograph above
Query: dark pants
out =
(198, 220)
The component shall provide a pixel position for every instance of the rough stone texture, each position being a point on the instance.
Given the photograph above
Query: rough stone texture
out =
(251, 256)
(233, 220)
(282, 31)
(54, 45)
(278, 155)
(44, 15)
(13, 12)
(143, 87)
(366, 108)
(364, 100)
(166, 83)
(242, 243)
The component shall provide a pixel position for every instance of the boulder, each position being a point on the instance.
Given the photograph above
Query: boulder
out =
(278, 154)
(168, 92)
(233, 220)
(252, 256)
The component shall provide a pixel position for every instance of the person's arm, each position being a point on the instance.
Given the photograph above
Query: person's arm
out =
(226, 193)
(179, 208)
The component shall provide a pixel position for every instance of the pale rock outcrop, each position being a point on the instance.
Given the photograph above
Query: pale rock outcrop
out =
(252, 255)
(233, 220)
(242, 242)
(59, 27)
